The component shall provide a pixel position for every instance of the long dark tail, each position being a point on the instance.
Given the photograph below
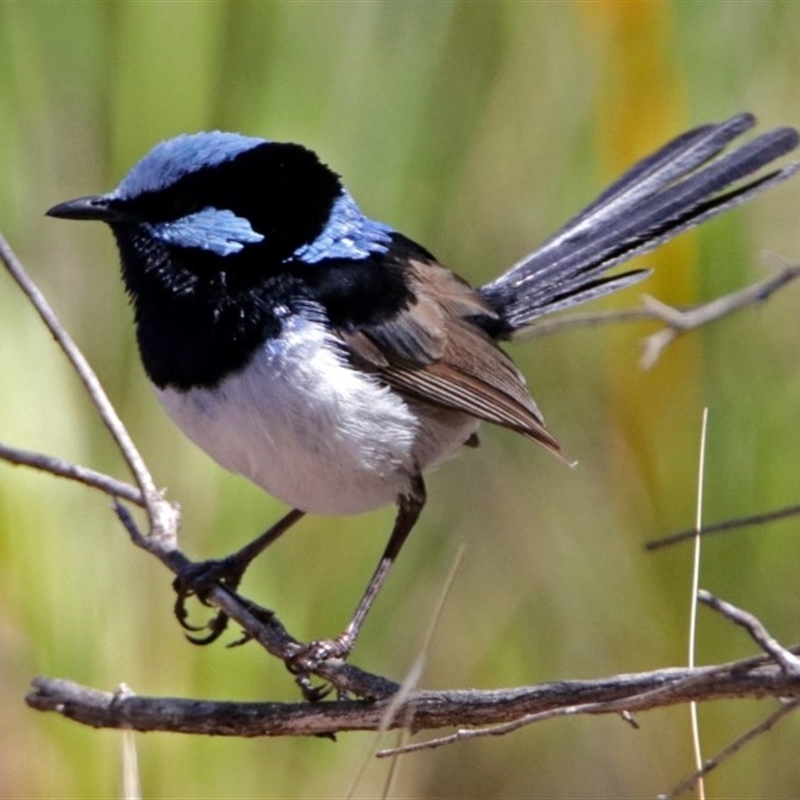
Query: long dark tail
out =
(658, 198)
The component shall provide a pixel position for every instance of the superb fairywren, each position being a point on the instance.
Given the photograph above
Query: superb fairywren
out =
(331, 360)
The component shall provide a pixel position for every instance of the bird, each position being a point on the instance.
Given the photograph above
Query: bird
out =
(331, 360)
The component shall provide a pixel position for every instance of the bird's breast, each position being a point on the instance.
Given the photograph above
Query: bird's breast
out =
(304, 425)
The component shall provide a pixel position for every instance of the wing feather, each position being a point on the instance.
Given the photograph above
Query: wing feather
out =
(436, 350)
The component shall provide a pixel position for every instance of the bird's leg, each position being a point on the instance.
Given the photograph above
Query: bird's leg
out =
(201, 576)
(409, 507)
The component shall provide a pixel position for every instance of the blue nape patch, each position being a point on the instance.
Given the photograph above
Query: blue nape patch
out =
(217, 230)
(348, 234)
(175, 158)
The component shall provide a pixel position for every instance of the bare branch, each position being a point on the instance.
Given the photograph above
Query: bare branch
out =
(737, 744)
(677, 320)
(65, 469)
(684, 687)
(87, 375)
(498, 711)
(789, 662)
(726, 525)
(421, 710)
(577, 320)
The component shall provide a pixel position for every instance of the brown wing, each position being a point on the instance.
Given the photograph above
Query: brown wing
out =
(433, 351)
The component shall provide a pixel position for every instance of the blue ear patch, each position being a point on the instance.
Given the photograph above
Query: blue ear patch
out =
(347, 234)
(218, 230)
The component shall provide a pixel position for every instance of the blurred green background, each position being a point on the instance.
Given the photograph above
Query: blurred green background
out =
(476, 128)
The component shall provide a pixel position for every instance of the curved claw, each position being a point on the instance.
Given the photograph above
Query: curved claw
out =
(181, 614)
(197, 581)
(216, 625)
(311, 693)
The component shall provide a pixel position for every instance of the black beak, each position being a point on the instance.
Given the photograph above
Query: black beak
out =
(95, 207)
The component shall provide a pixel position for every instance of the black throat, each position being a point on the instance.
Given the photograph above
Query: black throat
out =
(197, 324)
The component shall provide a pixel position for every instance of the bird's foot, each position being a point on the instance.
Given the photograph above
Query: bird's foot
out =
(197, 580)
(309, 657)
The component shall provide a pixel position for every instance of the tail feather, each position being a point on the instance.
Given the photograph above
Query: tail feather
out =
(660, 197)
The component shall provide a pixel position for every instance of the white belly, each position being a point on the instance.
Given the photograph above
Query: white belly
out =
(309, 430)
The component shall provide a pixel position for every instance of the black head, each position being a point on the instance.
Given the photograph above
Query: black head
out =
(217, 233)
(219, 201)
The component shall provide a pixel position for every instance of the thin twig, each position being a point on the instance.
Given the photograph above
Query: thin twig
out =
(75, 472)
(88, 377)
(577, 320)
(789, 662)
(677, 320)
(688, 785)
(726, 525)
